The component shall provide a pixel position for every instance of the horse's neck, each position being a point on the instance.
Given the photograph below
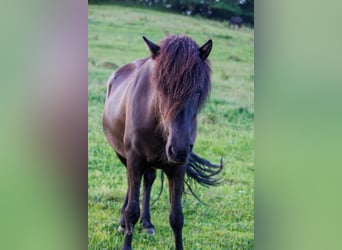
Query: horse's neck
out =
(156, 98)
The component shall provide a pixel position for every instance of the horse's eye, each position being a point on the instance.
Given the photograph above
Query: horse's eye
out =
(198, 96)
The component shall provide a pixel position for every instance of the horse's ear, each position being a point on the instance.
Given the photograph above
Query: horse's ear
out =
(154, 48)
(205, 49)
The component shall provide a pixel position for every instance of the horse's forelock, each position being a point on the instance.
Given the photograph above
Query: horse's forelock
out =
(178, 73)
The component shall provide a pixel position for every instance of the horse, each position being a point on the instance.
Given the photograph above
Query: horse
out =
(235, 20)
(150, 120)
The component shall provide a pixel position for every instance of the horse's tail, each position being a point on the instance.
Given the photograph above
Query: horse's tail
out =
(199, 170)
(203, 172)
(161, 187)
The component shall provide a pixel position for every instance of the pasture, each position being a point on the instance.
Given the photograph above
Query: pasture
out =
(225, 128)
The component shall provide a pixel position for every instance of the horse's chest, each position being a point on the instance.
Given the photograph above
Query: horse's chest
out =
(146, 143)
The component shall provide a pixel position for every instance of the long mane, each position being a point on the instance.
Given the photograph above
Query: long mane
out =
(179, 73)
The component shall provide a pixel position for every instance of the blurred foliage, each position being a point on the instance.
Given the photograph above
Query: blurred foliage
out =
(213, 9)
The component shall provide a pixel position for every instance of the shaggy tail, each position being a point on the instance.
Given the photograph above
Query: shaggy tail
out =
(203, 172)
(198, 170)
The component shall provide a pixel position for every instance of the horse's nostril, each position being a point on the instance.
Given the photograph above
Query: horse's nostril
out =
(179, 156)
(171, 151)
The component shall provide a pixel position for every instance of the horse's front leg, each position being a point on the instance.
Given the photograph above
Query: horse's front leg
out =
(149, 177)
(135, 170)
(176, 181)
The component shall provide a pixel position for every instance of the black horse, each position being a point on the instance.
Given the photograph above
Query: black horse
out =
(150, 120)
(235, 21)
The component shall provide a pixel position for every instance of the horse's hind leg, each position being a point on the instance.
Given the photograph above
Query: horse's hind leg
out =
(149, 177)
(122, 219)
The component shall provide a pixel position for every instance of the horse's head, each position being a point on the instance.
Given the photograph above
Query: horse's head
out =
(181, 75)
(181, 132)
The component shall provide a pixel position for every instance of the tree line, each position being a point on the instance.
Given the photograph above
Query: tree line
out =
(213, 9)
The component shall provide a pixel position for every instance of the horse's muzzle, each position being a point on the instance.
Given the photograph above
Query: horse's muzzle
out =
(177, 157)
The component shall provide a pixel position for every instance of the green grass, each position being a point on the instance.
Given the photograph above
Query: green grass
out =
(225, 129)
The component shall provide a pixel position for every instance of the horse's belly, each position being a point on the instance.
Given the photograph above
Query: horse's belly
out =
(114, 121)
(115, 137)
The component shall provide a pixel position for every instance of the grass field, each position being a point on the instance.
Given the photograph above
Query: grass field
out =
(225, 129)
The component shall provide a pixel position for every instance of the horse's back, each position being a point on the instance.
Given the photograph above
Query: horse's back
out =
(122, 75)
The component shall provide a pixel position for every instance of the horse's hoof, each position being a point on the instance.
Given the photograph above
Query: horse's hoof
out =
(121, 229)
(148, 230)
